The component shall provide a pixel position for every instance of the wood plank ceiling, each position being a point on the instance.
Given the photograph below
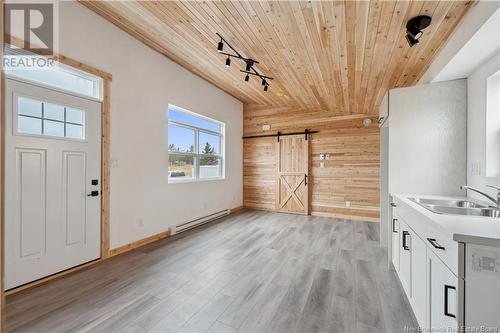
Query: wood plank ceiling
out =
(334, 56)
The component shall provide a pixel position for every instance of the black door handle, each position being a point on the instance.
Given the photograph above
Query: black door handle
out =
(405, 246)
(93, 194)
(446, 288)
(394, 226)
(435, 243)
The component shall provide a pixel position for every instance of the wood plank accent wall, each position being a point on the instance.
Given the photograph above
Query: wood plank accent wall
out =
(351, 174)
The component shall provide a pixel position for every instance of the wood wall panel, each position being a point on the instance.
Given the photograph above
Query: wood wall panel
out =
(351, 174)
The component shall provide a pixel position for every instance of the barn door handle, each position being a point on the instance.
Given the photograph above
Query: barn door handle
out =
(305, 180)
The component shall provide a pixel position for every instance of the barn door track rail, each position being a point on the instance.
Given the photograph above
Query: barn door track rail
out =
(279, 134)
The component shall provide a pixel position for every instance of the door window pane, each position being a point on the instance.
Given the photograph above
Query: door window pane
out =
(29, 107)
(53, 128)
(180, 139)
(74, 131)
(210, 167)
(52, 111)
(74, 116)
(180, 166)
(29, 125)
(209, 144)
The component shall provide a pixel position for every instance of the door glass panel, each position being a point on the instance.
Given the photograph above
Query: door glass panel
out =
(29, 125)
(74, 116)
(52, 111)
(53, 128)
(29, 107)
(74, 131)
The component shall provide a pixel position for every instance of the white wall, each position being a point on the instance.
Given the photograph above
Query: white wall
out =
(427, 139)
(144, 83)
(476, 122)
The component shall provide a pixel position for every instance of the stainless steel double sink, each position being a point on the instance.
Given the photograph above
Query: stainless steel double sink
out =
(457, 207)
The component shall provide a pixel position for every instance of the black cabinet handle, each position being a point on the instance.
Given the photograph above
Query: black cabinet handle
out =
(435, 243)
(93, 194)
(393, 204)
(446, 288)
(394, 226)
(405, 246)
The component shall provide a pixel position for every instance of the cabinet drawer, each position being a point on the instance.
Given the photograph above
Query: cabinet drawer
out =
(445, 249)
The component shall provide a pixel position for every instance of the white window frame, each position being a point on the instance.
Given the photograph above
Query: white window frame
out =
(196, 154)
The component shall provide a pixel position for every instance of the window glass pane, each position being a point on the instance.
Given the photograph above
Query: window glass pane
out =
(62, 77)
(29, 107)
(180, 139)
(74, 131)
(74, 116)
(52, 111)
(188, 119)
(210, 167)
(209, 144)
(29, 125)
(180, 166)
(53, 128)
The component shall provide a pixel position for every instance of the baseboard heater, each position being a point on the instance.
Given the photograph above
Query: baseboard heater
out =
(199, 221)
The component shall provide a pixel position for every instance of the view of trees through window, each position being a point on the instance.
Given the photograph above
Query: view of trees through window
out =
(194, 146)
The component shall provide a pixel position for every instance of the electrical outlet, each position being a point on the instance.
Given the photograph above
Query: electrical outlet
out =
(327, 157)
(321, 157)
(348, 204)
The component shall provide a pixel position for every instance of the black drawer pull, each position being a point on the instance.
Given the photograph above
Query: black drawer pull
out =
(435, 243)
(394, 226)
(446, 288)
(405, 246)
(393, 204)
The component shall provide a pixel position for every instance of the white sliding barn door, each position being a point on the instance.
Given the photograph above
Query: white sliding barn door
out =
(53, 163)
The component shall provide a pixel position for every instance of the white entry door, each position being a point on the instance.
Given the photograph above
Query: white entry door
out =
(52, 182)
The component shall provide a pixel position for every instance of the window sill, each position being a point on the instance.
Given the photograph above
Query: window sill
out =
(202, 180)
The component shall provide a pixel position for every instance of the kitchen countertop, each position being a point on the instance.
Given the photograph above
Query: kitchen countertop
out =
(466, 229)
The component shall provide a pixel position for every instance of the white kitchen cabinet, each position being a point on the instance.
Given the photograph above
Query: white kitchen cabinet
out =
(395, 243)
(443, 300)
(418, 301)
(405, 258)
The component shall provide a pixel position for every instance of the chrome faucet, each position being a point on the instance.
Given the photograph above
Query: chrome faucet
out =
(496, 201)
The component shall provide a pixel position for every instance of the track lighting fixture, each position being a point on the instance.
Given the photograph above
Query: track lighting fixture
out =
(414, 28)
(249, 63)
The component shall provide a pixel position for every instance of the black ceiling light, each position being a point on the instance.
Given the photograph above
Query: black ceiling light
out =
(414, 28)
(249, 63)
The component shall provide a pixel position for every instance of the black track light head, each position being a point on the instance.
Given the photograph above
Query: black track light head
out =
(265, 87)
(264, 82)
(249, 65)
(247, 78)
(228, 61)
(220, 46)
(414, 28)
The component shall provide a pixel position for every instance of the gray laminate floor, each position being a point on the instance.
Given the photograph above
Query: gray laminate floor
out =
(252, 272)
